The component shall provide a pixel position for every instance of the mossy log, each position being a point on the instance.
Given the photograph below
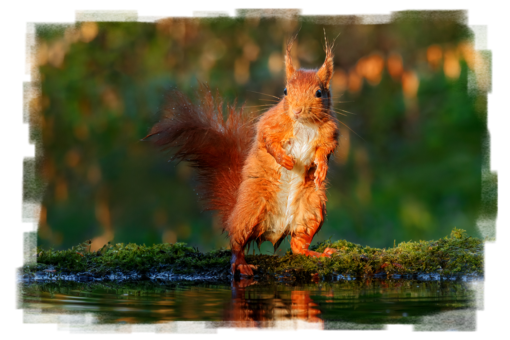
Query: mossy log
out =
(451, 257)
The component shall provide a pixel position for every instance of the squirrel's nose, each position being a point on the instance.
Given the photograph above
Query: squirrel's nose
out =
(297, 112)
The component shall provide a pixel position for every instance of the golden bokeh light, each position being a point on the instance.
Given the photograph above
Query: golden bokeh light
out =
(242, 70)
(451, 65)
(169, 236)
(275, 63)
(111, 100)
(35, 105)
(395, 65)
(339, 82)
(410, 84)
(44, 231)
(42, 216)
(102, 212)
(61, 190)
(81, 132)
(48, 168)
(165, 26)
(72, 158)
(478, 63)
(100, 241)
(371, 67)
(344, 145)
(94, 174)
(89, 31)
(57, 53)
(251, 51)
(355, 81)
(468, 52)
(72, 35)
(434, 55)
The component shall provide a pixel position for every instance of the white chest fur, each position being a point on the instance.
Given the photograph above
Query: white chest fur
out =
(302, 148)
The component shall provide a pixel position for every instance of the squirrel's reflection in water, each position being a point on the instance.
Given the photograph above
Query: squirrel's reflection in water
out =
(263, 307)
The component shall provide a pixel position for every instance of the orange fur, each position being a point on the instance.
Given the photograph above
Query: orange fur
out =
(266, 179)
(215, 147)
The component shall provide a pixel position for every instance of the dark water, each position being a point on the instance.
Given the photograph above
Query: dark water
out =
(369, 304)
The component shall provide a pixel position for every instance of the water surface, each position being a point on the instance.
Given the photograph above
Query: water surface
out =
(368, 304)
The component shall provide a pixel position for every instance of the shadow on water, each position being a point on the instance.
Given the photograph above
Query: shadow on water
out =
(370, 304)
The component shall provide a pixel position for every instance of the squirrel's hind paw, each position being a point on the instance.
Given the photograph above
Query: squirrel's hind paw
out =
(329, 251)
(244, 268)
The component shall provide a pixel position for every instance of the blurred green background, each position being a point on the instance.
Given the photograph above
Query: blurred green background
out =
(410, 168)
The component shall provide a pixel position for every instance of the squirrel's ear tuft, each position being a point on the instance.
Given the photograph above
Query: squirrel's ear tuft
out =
(289, 68)
(326, 71)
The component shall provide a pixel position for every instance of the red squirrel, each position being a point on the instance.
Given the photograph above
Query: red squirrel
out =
(266, 179)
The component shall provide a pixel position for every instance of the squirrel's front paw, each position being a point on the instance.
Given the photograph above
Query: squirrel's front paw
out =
(286, 161)
(320, 173)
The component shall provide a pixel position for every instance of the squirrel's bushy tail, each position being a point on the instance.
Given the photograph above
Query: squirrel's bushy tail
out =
(216, 147)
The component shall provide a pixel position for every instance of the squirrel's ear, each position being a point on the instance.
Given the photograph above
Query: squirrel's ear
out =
(326, 71)
(289, 68)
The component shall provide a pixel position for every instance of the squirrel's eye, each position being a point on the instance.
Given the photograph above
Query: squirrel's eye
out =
(285, 91)
(318, 94)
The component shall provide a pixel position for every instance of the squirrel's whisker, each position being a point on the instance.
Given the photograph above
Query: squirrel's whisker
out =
(265, 94)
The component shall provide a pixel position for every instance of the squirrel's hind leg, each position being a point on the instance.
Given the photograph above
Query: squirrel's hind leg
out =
(310, 208)
(243, 228)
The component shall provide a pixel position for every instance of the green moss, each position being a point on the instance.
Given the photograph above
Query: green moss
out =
(449, 256)
(178, 258)
(456, 254)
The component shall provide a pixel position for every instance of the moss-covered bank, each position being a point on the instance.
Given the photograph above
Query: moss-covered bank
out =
(448, 257)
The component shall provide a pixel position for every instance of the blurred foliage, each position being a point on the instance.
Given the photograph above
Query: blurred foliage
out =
(410, 158)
